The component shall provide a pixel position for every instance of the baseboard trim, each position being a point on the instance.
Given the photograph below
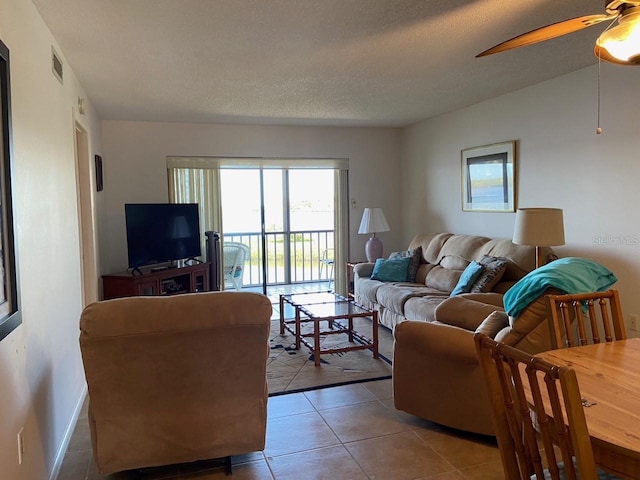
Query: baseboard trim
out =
(66, 439)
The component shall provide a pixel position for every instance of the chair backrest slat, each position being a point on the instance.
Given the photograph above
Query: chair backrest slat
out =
(538, 414)
(568, 316)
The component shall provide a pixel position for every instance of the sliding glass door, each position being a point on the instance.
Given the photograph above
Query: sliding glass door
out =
(311, 226)
(286, 218)
(241, 203)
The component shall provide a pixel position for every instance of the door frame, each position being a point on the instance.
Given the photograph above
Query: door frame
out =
(89, 267)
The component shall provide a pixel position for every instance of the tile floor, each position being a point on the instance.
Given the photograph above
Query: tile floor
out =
(342, 433)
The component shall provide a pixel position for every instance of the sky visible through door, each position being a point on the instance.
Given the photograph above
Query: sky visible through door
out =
(311, 200)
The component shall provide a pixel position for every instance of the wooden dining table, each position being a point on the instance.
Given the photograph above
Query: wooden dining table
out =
(609, 379)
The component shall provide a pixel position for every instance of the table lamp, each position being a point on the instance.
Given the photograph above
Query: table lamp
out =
(539, 227)
(373, 221)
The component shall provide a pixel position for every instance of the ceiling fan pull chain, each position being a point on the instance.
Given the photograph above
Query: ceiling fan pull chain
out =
(598, 129)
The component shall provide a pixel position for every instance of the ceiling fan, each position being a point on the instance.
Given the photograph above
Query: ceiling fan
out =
(618, 44)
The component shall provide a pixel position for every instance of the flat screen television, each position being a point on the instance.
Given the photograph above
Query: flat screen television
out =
(161, 232)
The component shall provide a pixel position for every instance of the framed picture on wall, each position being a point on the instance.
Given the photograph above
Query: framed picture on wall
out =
(10, 315)
(488, 178)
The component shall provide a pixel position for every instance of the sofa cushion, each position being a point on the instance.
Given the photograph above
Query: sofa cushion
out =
(442, 279)
(431, 244)
(468, 278)
(423, 271)
(391, 270)
(454, 262)
(423, 308)
(393, 296)
(494, 268)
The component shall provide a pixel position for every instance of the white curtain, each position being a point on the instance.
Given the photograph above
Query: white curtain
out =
(201, 186)
(341, 227)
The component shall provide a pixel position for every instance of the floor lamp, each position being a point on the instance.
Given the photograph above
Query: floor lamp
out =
(373, 221)
(539, 227)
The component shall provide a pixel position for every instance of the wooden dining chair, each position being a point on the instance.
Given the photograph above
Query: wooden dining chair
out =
(597, 316)
(528, 429)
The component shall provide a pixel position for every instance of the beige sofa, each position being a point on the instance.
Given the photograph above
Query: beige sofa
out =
(175, 379)
(444, 258)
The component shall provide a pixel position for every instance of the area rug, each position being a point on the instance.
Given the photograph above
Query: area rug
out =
(290, 370)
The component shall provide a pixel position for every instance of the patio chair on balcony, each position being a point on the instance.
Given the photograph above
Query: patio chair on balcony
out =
(233, 259)
(327, 263)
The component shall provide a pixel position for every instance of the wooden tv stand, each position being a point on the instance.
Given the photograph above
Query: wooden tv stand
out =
(168, 281)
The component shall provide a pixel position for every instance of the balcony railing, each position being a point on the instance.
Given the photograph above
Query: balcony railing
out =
(292, 257)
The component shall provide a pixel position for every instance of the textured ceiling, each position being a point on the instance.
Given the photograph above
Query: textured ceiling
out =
(308, 62)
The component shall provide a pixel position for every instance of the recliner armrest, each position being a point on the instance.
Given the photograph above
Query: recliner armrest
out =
(491, 298)
(436, 340)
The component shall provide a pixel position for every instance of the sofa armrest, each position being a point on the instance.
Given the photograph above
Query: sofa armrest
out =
(436, 340)
(364, 269)
(464, 312)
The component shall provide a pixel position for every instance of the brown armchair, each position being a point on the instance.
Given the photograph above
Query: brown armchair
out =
(175, 379)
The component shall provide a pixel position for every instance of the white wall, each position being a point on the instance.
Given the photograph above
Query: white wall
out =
(561, 162)
(135, 168)
(41, 377)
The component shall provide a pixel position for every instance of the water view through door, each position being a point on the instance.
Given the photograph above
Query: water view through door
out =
(286, 218)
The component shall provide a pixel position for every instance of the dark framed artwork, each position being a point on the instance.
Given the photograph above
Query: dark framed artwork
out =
(488, 178)
(99, 184)
(10, 315)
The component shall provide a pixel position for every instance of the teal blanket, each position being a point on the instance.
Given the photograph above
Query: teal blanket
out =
(570, 274)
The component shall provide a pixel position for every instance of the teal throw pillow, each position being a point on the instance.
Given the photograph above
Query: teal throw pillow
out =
(468, 278)
(391, 270)
(415, 256)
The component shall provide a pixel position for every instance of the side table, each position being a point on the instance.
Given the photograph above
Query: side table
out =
(350, 281)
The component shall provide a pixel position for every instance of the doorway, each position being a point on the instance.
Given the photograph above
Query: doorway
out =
(86, 218)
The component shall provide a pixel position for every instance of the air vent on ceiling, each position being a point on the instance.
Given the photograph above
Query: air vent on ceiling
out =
(56, 64)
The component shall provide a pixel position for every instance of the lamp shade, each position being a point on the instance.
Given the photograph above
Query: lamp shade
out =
(539, 227)
(373, 221)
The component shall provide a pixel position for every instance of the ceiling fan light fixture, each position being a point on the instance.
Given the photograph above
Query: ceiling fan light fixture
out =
(622, 42)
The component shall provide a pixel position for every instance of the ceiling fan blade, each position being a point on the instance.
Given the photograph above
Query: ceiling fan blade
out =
(550, 31)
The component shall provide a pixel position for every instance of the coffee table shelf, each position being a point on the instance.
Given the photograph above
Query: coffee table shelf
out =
(338, 312)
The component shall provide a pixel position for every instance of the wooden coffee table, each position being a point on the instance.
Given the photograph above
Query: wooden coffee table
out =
(337, 311)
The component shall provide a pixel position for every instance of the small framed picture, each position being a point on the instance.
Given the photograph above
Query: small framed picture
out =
(99, 182)
(488, 178)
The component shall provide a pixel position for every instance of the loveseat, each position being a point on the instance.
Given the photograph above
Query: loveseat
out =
(436, 373)
(443, 257)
